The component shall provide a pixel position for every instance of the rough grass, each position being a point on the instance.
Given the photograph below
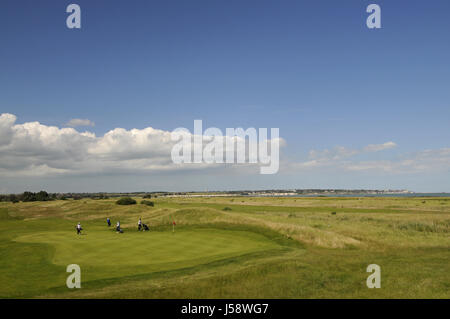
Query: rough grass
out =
(229, 248)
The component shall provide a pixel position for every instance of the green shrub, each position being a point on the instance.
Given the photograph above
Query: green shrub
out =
(148, 203)
(126, 201)
(226, 208)
(33, 197)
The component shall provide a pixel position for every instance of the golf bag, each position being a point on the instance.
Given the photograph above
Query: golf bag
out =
(145, 227)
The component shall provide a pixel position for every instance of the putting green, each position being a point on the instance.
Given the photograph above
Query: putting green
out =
(106, 254)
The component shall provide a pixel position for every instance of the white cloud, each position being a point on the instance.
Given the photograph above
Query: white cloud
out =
(341, 158)
(339, 154)
(34, 149)
(6, 122)
(80, 122)
(423, 161)
(379, 147)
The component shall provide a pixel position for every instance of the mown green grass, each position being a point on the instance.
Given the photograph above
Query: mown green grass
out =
(255, 248)
(106, 254)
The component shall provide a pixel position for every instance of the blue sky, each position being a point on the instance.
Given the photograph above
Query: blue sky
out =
(311, 68)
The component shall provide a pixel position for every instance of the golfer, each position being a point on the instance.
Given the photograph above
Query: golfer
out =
(108, 221)
(79, 229)
(139, 224)
(118, 226)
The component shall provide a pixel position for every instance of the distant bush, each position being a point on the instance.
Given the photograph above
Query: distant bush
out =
(226, 208)
(33, 197)
(126, 201)
(147, 196)
(148, 203)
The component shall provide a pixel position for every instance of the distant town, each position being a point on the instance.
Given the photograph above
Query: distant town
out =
(292, 192)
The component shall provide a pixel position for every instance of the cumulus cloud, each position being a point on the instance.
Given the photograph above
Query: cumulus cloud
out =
(6, 122)
(80, 122)
(34, 149)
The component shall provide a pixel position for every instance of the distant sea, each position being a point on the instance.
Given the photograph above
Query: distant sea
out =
(376, 195)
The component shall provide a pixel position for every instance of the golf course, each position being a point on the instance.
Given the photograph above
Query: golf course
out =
(227, 247)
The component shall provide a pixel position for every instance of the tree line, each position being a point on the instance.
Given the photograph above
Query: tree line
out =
(28, 197)
(43, 196)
